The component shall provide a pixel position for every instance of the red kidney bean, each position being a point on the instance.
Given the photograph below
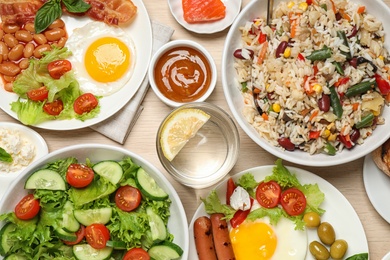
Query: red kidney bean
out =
(353, 62)
(238, 54)
(286, 143)
(354, 135)
(281, 48)
(324, 103)
(353, 32)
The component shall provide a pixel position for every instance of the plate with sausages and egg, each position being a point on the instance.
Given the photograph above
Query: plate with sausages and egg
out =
(95, 38)
(252, 238)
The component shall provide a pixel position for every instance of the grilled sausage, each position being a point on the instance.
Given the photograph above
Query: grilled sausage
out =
(204, 239)
(223, 246)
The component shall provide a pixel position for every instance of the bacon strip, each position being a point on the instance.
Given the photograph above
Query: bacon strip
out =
(19, 12)
(112, 12)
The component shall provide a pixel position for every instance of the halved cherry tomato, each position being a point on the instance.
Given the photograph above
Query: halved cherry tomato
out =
(85, 103)
(240, 216)
(268, 194)
(293, 201)
(79, 175)
(383, 85)
(53, 108)
(58, 68)
(80, 236)
(97, 235)
(136, 254)
(231, 186)
(39, 94)
(27, 208)
(128, 198)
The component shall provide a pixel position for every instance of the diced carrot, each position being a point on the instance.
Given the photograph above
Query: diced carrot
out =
(305, 111)
(262, 38)
(361, 9)
(256, 90)
(341, 81)
(315, 70)
(355, 106)
(313, 115)
(262, 53)
(333, 7)
(314, 134)
(293, 28)
(264, 116)
(387, 97)
(344, 15)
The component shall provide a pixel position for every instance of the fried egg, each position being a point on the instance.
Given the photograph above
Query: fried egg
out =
(260, 240)
(103, 58)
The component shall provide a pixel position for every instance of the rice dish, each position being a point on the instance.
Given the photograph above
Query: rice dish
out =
(316, 78)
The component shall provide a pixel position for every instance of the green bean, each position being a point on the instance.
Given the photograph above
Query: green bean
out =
(325, 7)
(343, 36)
(360, 88)
(244, 87)
(339, 68)
(321, 54)
(366, 121)
(335, 102)
(329, 149)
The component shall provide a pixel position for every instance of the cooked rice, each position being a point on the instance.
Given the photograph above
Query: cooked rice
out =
(290, 82)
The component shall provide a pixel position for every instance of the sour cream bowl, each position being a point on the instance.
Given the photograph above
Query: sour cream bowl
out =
(182, 71)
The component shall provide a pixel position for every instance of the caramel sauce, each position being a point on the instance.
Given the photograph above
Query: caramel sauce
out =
(183, 74)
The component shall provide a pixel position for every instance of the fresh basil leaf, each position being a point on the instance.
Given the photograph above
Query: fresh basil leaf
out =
(46, 15)
(4, 156)
(76, 6)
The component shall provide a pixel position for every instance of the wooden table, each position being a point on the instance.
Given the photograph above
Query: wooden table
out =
(348, 178)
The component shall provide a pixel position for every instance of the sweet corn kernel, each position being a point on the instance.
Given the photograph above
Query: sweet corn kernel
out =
(287, 52)
(317, 88)
(290, 4)
(276, 107)
(303, 6)
(376, 113)
(381, 57)
(267, 86)
(258, 22)
(325, 133)
(330, 126)
(332, 137)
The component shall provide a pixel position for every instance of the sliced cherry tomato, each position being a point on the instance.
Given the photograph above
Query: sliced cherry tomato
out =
(262, 37)
(128, 198)
(97, 235)
(231, 186)
(79, 175)
(136, 254)
(293, 201)
(268, 194)
(39, 94)
(85, 103)
(58, 68)
(53, 108)
(240, 216)
(383, 85)
(80, 236)
(301, 57)
(27, 208)
(314, 134)
(345, 139)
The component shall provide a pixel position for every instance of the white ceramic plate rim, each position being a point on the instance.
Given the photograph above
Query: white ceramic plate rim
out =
(339, 212)
(36, 139)
(140, 30)
(235, 100)
(377, 185)
(178, 219)
(232, 9)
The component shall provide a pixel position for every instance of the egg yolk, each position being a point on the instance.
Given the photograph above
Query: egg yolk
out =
(107, 59)
(253, 240)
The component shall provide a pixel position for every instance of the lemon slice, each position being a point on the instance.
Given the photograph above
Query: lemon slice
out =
(179, 129)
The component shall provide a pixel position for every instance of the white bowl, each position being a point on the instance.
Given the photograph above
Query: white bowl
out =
(176, 44)
(235, 100)
(177, 223)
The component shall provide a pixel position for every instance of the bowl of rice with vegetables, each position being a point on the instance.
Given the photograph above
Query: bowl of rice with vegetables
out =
(312, 86)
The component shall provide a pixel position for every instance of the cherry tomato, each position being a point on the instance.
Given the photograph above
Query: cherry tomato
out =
(53, 108)
(39, 94)
(85, 103)
(383, 85)
(127, 198)
(231, 186)
(27, 208)
(268, 194)
(80, 236)
(97, 235)
(79, 175)
(293, 201)
(240, 216)
(58, 68)
(136, 254)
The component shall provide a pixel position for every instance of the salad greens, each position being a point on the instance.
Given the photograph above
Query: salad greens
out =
(37, 239)
(280, 174)
(4, 156)
(65, 88)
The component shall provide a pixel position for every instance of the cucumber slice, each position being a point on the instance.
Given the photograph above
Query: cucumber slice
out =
(165, 251)
(91, 216)
(157, 226)
(85, 251)
(45, 180)
(5, 242)
(111, 170)
(148, 186)
(69, 222)
(67, 236)
(116, 244)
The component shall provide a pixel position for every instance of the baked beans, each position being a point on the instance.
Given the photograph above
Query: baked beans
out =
(16, 52)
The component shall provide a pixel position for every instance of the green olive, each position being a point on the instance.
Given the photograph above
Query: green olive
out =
(312, 219)
(319, 251)
(326, 233)
(338, 249)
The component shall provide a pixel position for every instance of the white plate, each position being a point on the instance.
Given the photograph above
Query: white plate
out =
(339, 212)
(377, 185)
(235, 101)
(233, 7)
(40, 151)
(140, 30)
(386, 257)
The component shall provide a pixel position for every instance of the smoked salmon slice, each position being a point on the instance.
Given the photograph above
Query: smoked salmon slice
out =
(200, 11)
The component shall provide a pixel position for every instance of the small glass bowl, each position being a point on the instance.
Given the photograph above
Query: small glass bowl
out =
(207, 157)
